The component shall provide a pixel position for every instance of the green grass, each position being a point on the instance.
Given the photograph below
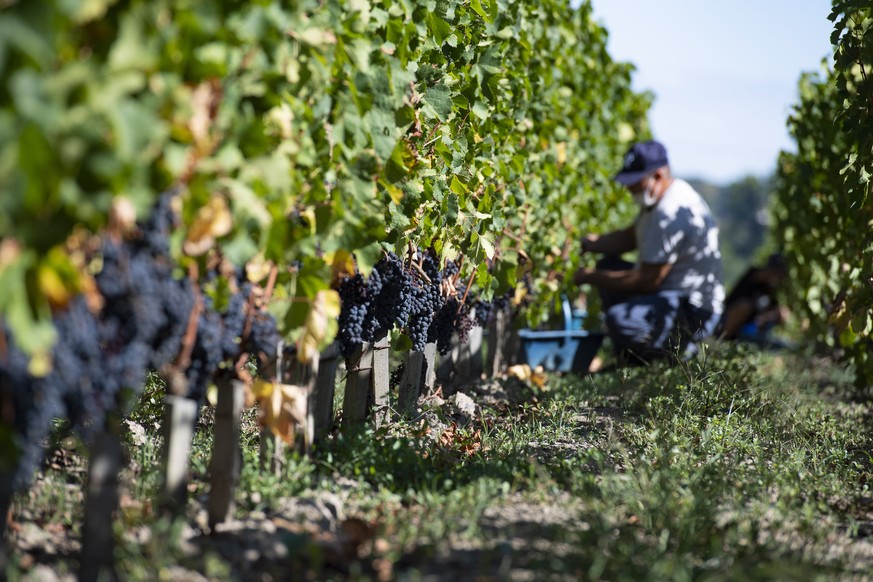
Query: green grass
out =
(737, 465)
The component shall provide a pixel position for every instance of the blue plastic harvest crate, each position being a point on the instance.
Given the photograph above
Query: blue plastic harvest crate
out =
(568, 350)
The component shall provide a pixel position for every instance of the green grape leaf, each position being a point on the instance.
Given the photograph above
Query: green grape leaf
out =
(488, 12)
(437, 102)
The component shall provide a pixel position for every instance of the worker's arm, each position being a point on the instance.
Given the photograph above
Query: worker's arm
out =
(613, 243)
(647, 278)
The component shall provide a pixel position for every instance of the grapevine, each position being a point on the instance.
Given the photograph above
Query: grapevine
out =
(823, 209)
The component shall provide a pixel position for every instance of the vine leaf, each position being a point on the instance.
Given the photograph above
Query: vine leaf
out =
(323, 311)
(282, 407)
(212, 221)
(437, 102)
(487, 12)
(487, 242)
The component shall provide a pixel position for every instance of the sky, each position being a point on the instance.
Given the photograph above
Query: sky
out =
(724, 75)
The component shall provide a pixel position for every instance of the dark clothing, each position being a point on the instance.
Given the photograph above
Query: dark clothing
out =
(752, 290)
(654, 325)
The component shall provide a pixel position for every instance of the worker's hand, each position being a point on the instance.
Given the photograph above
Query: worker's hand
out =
(587, 241)
(583, 275)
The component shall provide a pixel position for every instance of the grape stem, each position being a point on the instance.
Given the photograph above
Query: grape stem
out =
(458, 274)
(467, 290)
(193, 320)
(514, 237)
(271, 283)
(421, 272)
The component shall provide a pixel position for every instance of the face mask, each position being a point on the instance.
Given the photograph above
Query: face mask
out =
(645, 199)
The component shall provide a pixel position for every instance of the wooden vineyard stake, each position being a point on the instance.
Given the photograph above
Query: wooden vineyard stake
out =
(180, 414)
(419, 377)
(324, 391)
(410, 382)
(226, 462)
(367, 382)
(380, 379)
(497, 361)
(306, 376)
(101, 502)
(514, 354)
(468, 358)
(358, 383)
(474, 349)
(430, 352)
(445, 368)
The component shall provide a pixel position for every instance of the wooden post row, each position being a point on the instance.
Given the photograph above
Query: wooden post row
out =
(367, 382)
(322, 397)
(180, 414)
(380, 388)
(497, 359)
(410, 382)
(226, 462)
(101, 501)
(419, 377)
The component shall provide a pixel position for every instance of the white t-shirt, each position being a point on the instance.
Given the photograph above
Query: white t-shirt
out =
(680, 230)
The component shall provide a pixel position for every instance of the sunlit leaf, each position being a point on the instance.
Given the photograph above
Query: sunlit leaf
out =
(283, 407)
(212, 221)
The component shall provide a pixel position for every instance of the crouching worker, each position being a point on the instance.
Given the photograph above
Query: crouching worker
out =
(673, 296)
(752, 307)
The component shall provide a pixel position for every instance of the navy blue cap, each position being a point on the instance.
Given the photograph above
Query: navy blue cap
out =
(642, 159)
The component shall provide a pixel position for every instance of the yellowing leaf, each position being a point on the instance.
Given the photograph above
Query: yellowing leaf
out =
(520, 294)
(520, 371)
(52, 287)
(58, 278)
(283, 408)
(626, 133)
(325, 306)
(330, 301)
(282, 118)
(561, 148)
(212, 221)
(202, 100)
(261, 389)
(342, 264)
(538, 378)
(395, 193)
(212, 395)
(524, 373)
(257, 269)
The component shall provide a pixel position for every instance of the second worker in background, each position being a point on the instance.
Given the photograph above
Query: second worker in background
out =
(673, 296)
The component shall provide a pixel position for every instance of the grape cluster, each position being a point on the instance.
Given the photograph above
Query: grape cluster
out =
(101, 354)
(453, 317)
(353, 314)
(394, 295)
(443, 325)
(485, 310)
(410, 297)
(263, 337)
(206, 353)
